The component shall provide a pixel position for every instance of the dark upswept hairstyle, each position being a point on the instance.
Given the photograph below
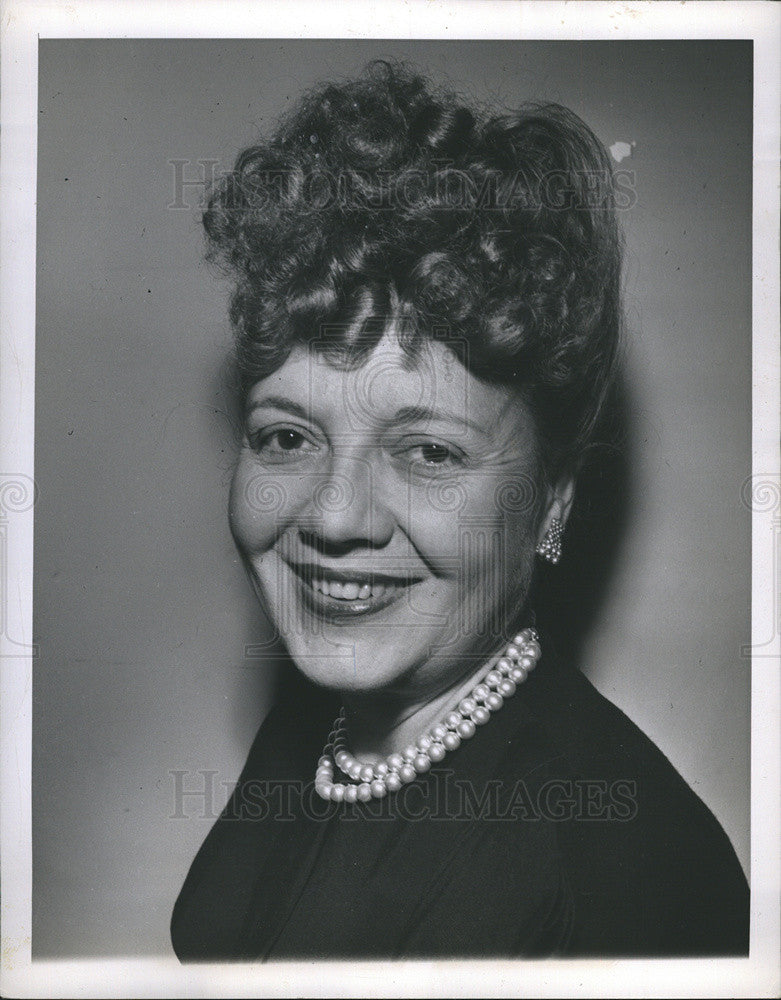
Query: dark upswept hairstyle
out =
(383, 196)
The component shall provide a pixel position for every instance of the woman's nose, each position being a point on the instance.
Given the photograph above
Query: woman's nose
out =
(347, 509)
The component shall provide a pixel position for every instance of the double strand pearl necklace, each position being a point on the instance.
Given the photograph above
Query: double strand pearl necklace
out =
(376, 780)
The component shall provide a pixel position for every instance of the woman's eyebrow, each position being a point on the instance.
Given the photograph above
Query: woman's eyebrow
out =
(413, 414)
(404, 415)
(280, 403)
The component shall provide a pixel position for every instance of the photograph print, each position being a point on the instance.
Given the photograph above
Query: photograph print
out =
(392, 567)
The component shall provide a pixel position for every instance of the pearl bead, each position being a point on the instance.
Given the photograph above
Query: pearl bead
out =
(438, 731)
(366, 773)
(407, 773)
(395, 761)
(381, 769)
(503, 666)
(481, 692)
(533, 649)
(518, 674)
(492, 678)
(522, 638)
(323, 789)
(494, 701)
(481, 715)
(337, 793)
(324, 761)
(512, 652)
(354, 770)
(506, 688)
(422, 763)
(527, 662)
(424, 743)
(364, 793)
(378, 788)
(342, 759)
(437, 751)
(350, 793)
(466, 729)
(451, 741)
(452, 719)
(392, 781)
(410, 754)
(467, 705)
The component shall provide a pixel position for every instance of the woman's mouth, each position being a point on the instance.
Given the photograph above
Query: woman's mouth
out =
(345, 593)
(351, 590)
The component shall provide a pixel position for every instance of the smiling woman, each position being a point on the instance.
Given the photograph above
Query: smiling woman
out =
(427, 319)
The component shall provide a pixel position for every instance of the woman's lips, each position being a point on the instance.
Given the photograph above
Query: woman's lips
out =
(347, 593)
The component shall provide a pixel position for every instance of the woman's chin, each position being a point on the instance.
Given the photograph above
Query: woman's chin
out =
(348, 670)
(342, 675)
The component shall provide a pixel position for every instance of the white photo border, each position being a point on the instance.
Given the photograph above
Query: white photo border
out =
(24, 22)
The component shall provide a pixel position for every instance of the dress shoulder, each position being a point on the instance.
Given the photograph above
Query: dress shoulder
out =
(653, 870)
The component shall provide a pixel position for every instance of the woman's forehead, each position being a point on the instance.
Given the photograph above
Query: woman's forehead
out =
(387, 381)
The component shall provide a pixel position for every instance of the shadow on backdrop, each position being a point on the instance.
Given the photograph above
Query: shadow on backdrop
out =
(569, 597)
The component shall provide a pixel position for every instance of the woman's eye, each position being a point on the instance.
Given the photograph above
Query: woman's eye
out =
(282, 443)
(433, 455)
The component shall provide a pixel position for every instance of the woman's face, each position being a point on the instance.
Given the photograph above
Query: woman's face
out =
(388, 516)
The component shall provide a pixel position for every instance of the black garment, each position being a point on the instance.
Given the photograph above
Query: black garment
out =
(559, 829)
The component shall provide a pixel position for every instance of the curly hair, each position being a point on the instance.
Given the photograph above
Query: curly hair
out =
(384, 197)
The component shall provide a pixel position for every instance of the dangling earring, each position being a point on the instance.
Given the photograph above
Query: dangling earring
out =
(550, 547)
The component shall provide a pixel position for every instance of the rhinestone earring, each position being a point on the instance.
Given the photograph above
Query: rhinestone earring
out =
(550, 547)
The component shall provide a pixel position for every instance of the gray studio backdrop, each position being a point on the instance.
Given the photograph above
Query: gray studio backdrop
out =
(142, 612)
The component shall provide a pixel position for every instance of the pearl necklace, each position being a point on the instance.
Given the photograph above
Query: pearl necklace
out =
(376, 780)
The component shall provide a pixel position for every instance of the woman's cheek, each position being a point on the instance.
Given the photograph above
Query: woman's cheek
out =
(259, 506)
(468, 513)
(435, 527)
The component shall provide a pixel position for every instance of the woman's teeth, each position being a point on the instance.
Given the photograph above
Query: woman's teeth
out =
(349, 591)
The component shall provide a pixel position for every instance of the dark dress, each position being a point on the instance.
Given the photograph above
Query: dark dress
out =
(558, 829)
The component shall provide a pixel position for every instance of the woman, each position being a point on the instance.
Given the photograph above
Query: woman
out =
(427, 319)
